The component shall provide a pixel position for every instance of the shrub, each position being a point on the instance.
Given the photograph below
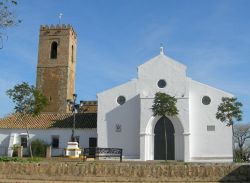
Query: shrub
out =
(16, 159)
(240, 156)
(39, 148)
(7, 159)
(15, 150)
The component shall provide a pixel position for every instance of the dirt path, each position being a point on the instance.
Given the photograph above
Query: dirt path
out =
(44, 181)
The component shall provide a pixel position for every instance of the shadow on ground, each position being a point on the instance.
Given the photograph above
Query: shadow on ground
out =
(239, 174)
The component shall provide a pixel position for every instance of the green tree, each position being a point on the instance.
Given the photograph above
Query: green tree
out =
(7, 16)
(28, 101)
(228, 112)
(163, 105)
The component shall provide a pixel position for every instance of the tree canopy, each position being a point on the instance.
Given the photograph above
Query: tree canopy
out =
(164, 104)
(229, 111)
(241, 134)
(27, 99)
(7, 16)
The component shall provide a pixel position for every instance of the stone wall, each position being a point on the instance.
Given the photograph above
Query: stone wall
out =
(56, 76)
(134, 172)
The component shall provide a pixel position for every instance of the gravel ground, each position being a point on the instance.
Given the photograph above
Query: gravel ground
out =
(37, 181)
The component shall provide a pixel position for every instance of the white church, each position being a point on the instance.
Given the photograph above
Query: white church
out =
(124, 117)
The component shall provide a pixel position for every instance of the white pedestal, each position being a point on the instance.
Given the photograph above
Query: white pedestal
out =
(72, 150)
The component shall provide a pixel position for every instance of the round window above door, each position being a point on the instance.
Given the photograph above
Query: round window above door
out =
(162, 83)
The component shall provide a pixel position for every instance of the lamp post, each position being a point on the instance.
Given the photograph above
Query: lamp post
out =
(74, 107)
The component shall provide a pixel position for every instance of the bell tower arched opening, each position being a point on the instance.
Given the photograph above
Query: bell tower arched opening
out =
(53, 50)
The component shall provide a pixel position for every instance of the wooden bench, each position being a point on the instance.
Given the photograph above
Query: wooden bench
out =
(94, 152)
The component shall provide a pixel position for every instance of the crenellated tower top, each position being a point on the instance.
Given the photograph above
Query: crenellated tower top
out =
(56, 29)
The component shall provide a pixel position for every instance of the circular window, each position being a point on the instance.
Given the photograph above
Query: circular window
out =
(161, 83)
(206, 100)
(121, 100)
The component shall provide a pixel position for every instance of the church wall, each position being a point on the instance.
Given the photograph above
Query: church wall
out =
(162, 67)
(206, 144)
(149, 73)
(194, 139)
(46, 135)
(127, 116)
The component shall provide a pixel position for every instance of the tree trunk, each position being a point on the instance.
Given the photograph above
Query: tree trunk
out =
(233, 143)
(28, 138)
(26, 127)
(29, 142)
(166, 143)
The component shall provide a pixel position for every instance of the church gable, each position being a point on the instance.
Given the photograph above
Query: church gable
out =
(162, 62)
(162, 70)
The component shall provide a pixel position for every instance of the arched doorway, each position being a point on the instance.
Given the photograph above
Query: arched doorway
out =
(164, 143)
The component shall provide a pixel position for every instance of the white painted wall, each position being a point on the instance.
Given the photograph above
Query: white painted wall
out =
(192, 141)
(208, 145)
(135, 114)
(46, 135)
(174, 73)
(127, 115)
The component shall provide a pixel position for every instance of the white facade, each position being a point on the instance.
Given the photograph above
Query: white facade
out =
(9, 137)
(198, 136)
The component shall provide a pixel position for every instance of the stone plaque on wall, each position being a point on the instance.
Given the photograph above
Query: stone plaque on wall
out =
(118, 127)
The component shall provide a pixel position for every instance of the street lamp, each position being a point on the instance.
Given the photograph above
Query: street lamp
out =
(74, 107)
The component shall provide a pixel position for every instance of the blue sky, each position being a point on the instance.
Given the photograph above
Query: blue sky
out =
(115, 36)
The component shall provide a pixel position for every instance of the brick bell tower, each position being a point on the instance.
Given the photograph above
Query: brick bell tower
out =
(56, 65)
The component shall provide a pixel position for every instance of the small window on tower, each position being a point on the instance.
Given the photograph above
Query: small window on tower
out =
(53, 51)
(72, 54)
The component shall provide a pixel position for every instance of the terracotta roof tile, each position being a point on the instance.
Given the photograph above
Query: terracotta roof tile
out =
(50, 120)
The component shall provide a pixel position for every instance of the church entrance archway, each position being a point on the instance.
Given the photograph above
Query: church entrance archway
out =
(164, 141)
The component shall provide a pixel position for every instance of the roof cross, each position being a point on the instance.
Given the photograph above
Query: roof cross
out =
(161, 49)
(60, 18)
